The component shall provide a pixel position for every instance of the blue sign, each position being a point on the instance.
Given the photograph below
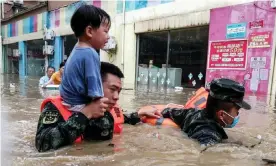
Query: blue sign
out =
(234, 31)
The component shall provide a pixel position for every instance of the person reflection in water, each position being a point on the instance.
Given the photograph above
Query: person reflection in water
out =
(222, 111)
(53, 131)
(43, 80)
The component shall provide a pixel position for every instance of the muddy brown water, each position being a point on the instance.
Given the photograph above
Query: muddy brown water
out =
(138, 145)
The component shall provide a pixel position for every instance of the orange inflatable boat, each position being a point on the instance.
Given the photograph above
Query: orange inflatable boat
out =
(196, 101)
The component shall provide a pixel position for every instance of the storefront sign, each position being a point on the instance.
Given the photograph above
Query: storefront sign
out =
(259, 40)
(236, 31)
(256, 24)
(227, 54)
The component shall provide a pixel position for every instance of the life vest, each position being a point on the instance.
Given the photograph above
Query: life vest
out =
(198, 100)
(116, 112)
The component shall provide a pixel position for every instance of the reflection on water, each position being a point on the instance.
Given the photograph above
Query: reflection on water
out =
(138, 145)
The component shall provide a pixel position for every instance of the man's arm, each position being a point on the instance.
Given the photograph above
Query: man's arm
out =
(204, 131)
(53, 132)
(205, 134)
(41, 81)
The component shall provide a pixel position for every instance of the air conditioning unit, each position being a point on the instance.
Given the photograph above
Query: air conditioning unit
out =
(49, 50)
(48, 34)
(18, 2)
(111, 44)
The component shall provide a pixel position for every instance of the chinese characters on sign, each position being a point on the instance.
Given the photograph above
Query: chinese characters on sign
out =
(258, 62)
(228, 54)
(259, 40)
(256, 24)
(236, 31)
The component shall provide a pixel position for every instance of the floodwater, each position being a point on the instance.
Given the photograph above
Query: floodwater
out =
(138, 145)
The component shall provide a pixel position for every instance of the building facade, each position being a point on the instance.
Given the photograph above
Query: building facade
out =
(160, 43)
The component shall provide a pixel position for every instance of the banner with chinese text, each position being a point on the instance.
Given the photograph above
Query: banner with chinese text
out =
(228, 54)
(259, 40)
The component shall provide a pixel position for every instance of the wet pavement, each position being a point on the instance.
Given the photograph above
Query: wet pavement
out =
(138, 145)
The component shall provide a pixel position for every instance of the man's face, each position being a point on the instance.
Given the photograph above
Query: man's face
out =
(112, 86)
(50, 72)
(228, 117)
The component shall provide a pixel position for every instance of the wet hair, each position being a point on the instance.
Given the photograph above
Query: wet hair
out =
(87, 15)
(109, 68)
(61, 64)
(213, 105)
(50, 67)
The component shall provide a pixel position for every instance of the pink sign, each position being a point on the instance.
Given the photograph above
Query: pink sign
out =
(227, 54)
(255, 76)
(256, 24)
(259, 40)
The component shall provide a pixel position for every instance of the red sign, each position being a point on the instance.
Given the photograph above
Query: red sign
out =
(228, 54)
(256, 24)
(259, 40)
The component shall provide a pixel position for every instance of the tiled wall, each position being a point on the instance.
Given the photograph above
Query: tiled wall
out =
(60, 17)
(138, 4)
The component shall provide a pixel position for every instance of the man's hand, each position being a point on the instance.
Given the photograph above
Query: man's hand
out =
(96, 108)
(153, 113)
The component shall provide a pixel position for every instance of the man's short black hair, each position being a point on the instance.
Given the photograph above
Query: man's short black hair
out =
(61, 64)
(87, 15)
(109, 68)
(50, 67)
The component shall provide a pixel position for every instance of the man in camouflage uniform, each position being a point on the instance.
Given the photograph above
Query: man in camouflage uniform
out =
(222, 111)
(54, 132)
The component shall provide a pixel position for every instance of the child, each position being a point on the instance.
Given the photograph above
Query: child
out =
(81, 81)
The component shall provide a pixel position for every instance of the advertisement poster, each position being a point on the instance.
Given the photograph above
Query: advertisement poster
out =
(258, 62)
(227, 54)
(234, 31)
(259, 40)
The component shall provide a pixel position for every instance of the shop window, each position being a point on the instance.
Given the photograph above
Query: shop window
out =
(35, 58)
(187, 58)
(152, 57)
(11, 59)
(188, 52)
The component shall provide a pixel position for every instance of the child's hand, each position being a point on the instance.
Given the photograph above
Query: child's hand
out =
(96, 108)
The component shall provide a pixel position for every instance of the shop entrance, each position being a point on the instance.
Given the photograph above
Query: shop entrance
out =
(170, 59)
(12, 59)
(35, 58)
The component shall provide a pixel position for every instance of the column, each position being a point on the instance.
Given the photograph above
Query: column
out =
(3, 60)
(22, 58)
(58, 51)
(2, 56)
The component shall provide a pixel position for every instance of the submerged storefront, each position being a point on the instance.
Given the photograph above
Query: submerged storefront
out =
(11, 59)
(167, 43)
(175, 58)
